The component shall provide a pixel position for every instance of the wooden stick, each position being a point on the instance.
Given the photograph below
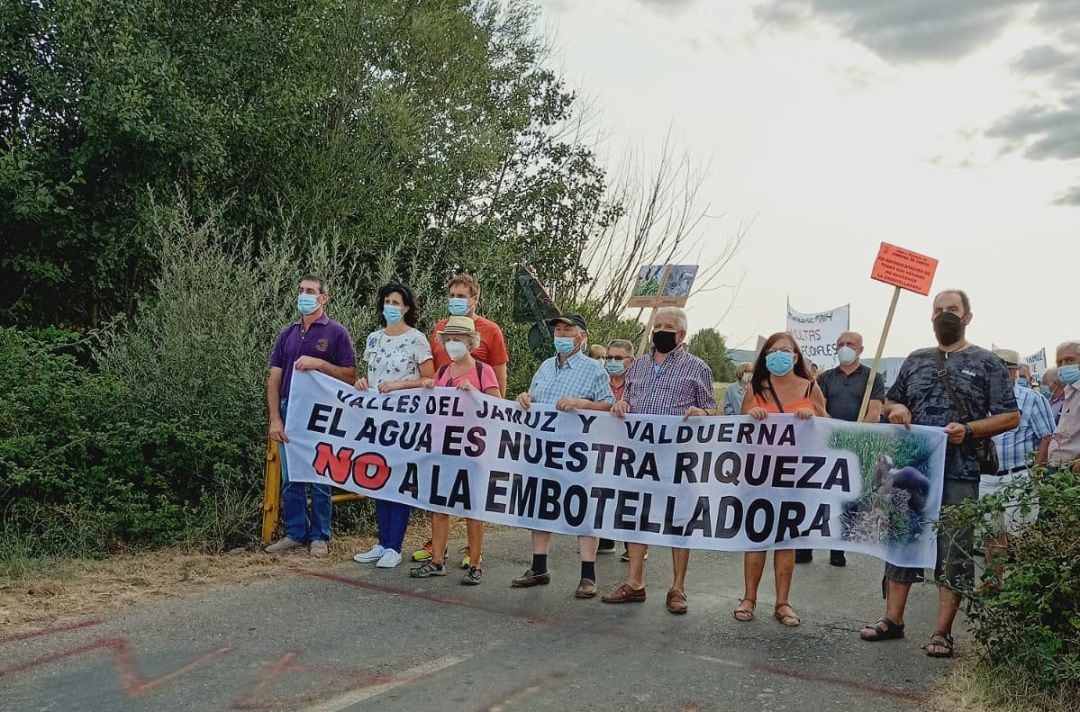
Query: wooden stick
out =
(877, 356)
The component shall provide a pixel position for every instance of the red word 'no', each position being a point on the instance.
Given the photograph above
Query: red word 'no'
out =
(368, 470)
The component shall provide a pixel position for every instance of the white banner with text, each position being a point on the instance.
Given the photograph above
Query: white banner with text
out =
(720, 483)
(817, 333)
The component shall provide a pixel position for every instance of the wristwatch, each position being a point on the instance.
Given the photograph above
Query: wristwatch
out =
(969, 432)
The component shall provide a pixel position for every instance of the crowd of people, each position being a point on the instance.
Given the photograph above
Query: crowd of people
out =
(986, 402)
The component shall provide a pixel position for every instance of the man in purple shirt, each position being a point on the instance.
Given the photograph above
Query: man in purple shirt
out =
(667, 381)
(315, 343)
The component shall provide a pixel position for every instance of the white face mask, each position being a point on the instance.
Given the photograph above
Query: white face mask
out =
(847, 355)
(456, 350)
(747, 377)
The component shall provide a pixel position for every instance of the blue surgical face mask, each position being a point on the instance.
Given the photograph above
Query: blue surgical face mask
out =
(564, 345)
(1069, 374)
(615, 367)
(307, 303)
(457, 306)
(392, 313)
(780, 363)
(1047, 393)
(1022, 382)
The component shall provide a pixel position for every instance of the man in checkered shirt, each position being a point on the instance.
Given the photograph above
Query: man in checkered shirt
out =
(1014, 450)
(668, 381)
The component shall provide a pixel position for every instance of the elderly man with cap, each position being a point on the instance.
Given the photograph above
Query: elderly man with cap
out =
(1063, 447)
(669, 380)
(1015, 448)
(569, 380)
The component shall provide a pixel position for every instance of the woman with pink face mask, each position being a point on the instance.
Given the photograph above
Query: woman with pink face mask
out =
(459, 337)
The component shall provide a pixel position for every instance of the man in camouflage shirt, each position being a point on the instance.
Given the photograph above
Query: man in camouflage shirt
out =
(918, 397)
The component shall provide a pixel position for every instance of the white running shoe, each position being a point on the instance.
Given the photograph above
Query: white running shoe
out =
(389, 560)
(370, 557)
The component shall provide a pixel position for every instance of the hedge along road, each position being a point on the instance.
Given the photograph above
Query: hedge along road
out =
(352, 638)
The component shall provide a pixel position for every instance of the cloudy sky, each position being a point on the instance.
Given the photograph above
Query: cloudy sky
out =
(950, 127)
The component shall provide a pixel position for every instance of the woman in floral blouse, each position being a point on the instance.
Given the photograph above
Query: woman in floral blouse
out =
(398, 356)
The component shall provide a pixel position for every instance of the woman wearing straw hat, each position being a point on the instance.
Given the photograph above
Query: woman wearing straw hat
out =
(459, 337)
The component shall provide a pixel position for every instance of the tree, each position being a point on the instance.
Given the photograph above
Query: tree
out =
(708, 345)
(425, 136)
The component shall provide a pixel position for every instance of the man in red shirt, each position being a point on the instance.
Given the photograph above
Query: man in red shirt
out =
(464, 294)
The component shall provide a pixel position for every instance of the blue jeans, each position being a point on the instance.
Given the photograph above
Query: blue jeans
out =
(393, 519)
(298, 526)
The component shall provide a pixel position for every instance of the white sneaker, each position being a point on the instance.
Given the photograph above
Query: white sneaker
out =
(389, 560)
(282, 545)
(369, 557)
(319, 548)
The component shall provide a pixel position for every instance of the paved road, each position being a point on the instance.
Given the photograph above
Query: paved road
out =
(352, 638)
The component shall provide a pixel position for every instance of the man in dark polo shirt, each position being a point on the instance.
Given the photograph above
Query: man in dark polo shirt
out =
(918, 397)
(843, 388)
(314, 343)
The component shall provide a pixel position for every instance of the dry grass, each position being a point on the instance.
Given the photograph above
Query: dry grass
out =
(971, 688)
(61, 590)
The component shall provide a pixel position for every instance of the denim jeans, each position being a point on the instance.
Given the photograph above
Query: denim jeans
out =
(298, 526)
(393, 519)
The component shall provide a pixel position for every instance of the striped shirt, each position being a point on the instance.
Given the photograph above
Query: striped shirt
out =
(682, 381)
(1036, 422)
(578, 377)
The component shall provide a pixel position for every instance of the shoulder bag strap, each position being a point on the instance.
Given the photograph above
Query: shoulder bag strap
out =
(943, 376)
(776, 399)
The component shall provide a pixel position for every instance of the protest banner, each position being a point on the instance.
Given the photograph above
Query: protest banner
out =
(903, 269)
(817, 333)
(1038, 364)
(721, 483)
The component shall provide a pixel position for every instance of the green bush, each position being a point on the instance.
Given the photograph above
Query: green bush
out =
(1028, 619)
(83, 472)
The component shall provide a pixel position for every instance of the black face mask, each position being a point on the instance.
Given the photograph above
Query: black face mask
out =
(664, 341)
(948, 328)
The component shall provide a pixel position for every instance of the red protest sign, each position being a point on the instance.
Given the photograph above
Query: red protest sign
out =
(904, 268)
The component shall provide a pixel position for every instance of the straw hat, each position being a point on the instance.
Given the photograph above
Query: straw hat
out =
(461, 325)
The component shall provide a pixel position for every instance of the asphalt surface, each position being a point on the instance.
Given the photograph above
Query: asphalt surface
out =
(359, 638)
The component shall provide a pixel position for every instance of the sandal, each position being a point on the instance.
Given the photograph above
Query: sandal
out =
(884, 629)
(743, 614)
(940, 639)
(789, 619)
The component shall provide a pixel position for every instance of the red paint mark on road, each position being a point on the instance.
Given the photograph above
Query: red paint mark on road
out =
(48, 631)
(842, 682)
(367, 585)
(331, 682)
(889, 692)
(131, 678)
